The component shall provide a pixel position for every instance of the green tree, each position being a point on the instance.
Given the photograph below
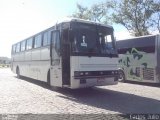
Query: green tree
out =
(158, 21)
(139, 17)
(136, 15)
(97, 12)
(156, 17)
(82, 12)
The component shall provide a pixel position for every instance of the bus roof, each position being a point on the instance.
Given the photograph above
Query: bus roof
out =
(142, 41)
(67, 20)
(83, 21)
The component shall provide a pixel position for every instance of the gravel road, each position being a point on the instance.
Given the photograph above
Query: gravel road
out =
(26, 96)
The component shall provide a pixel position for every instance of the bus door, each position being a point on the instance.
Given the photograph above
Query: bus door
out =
(56, 68)
(65, 57)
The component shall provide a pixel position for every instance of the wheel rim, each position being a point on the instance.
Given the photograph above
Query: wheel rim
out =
(121, 76)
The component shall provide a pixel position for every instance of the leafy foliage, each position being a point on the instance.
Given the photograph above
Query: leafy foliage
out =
(82, 12)
(135, 15)
(97, 12)
(139, 17)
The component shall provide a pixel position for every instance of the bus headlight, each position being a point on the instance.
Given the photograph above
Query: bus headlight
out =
(81, 73)
(101, 73)
(78, 73)
(86, 73)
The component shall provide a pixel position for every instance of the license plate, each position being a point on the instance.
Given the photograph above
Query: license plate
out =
(100, 80)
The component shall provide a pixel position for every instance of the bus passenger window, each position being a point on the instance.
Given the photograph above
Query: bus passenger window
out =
(38, 41)
(29, 44)
(56, 41)
(23, 45)
(18, 47)
(45, 39)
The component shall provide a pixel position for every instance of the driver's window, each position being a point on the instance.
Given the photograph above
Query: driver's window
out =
(102, 40)
(75, 45)
(108, 41)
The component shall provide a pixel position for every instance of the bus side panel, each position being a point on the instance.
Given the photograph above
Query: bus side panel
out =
(28, 55)
(35, 65)
(44, 63)
(21, 63)
(158, 59)
(15, 62)
(56, 70)
(139, 58)
(138, 67)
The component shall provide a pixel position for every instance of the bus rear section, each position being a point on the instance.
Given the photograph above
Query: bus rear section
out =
(139, 59)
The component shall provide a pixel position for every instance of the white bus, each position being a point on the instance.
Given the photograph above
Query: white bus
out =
(139, 59)
(74, 54)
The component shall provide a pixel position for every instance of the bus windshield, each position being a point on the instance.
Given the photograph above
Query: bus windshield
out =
(89, 39)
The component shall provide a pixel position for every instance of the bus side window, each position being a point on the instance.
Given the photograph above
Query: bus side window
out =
(56, 41)
(29, 44)
(45, 39)
(18, 47)
(38, 41)
(23, 45)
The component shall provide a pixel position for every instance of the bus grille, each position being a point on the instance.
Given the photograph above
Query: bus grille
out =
(148, 74)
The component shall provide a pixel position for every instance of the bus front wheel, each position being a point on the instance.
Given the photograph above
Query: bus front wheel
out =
(121, 76)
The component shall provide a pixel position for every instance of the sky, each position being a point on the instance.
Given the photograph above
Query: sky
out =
(20, 19)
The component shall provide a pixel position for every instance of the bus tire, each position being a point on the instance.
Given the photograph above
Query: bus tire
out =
(48, 78)
(18, 72)
(121, 76)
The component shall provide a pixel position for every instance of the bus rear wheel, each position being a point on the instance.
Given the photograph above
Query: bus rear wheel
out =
(121, 76)
(18, 72)
(48, 78)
